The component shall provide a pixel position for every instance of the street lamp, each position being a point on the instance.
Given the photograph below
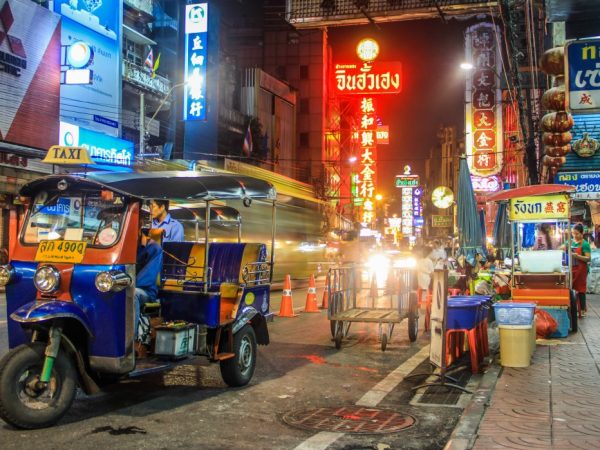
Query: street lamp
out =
(466, 65)
(142, 114)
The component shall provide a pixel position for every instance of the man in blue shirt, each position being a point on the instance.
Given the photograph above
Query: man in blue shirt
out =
(148, 265)
(173, 230)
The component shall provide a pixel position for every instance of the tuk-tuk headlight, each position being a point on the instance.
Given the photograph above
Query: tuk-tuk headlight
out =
(112, 280)
(46, 279)
(7, 274)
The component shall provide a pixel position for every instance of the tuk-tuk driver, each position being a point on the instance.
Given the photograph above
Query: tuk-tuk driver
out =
(148, 265)
(172, 229)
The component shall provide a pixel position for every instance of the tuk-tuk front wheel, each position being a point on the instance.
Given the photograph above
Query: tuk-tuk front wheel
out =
(25, 402)
(238, 371)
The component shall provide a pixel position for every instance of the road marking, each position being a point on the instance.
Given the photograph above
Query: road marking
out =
(385, 386)
(324, 439)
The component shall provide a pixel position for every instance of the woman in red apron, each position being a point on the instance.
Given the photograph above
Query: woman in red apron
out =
(581, 255)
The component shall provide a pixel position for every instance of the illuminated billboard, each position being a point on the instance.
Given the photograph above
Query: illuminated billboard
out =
(29, 74)
(96, 105)
(483, 101)
(196, 60)
(102, 149)
(368, 78)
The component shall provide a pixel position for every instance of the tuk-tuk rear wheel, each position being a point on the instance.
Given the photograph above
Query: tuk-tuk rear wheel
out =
(238, 371)
(32, 405)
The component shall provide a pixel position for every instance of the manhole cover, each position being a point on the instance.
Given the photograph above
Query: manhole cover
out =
(350, 419)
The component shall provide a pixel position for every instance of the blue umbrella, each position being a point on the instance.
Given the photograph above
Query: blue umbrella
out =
(502, 232)
(467, 218)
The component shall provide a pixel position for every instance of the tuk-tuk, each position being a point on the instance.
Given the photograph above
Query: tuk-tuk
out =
(539, 274)
(71, 281)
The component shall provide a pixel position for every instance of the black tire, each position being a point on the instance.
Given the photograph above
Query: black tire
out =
(413, 320)
(384, 341)
(574, 312)
(25, 407)
(238, 371)
(339, 336)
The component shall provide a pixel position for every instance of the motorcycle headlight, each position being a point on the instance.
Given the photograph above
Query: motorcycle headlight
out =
(6, 274)
(112, 280)
(46, 279)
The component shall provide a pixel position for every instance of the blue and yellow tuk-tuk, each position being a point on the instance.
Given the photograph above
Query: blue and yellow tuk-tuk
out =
(71, 281)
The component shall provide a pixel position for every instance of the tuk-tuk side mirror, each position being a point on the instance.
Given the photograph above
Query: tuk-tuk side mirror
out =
(247, 201)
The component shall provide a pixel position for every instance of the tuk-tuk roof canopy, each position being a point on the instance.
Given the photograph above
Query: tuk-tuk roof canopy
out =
(179, 186)
(530, 191)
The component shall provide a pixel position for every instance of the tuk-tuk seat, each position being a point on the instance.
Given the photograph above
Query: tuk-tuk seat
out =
(182, 264)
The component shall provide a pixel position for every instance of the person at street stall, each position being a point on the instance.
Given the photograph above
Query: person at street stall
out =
(438, 255)
(148, 265)
(424, 267)
(545, 241)
(172, 229)
(581, 255)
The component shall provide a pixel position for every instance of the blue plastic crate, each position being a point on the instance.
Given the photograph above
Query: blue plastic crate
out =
(511, 313)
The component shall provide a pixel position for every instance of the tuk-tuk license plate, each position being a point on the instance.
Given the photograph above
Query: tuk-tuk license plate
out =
(61, 251)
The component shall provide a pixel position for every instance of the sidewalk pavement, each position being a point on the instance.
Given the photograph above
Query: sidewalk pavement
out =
(554, 404)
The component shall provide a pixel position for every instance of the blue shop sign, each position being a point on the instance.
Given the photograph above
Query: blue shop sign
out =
(103, 149)
(196, 59)
(583, 75)
(586, 183)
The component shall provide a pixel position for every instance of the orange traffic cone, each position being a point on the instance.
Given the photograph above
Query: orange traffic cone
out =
(287, 306)
(325, 301)
(311, 296)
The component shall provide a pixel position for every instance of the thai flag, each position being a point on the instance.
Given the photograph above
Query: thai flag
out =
(247, 147)
(149, 63)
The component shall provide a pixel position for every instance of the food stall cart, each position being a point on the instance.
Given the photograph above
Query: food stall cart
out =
(541, 275)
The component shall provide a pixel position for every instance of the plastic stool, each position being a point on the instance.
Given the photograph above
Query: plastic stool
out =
(452, 291)
(474, 346)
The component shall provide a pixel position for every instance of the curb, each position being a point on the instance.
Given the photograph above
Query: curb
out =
(465, 433)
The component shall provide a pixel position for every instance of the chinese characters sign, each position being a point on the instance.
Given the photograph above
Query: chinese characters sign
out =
(367, 141)
(483, 99)
(542, 207)
(196, 36)
(583, 75)
(368, 78)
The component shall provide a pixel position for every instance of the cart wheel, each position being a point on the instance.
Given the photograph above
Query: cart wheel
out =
(573, 311)
(413, 320)
(384, 341)
(332, 325)
(338, 337)
(346, 329)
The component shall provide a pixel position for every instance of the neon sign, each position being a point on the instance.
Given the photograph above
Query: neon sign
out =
(485, 184)
(196, 59)
(369, 78)
(368, 142)
(367, 49)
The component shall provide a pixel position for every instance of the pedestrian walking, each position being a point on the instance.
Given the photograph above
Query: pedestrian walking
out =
(581, 255)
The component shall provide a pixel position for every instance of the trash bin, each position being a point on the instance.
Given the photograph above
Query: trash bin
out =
(516, 345)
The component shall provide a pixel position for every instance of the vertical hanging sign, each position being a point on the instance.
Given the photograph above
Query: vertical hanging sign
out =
(196, 58)
(483, 101)
(367, 141)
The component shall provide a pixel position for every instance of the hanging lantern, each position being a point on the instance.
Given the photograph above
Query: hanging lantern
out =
(557, 139)
(551, 161)
(557, 151)
(558, 81)
(557, 122)
(554, 99)
(553, 61)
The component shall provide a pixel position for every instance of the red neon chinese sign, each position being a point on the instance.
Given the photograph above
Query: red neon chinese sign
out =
(367, 142)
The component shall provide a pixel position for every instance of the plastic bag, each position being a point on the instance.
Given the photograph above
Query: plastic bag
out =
(545, 324)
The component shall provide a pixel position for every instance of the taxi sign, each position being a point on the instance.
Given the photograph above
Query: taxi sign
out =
(67, 155)
(61, 251)
(539, 207)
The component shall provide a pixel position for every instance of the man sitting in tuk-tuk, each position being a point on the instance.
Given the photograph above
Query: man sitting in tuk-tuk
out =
(172, 229)
(148, 266)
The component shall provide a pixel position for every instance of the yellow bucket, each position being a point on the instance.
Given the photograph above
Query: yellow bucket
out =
(516, 345)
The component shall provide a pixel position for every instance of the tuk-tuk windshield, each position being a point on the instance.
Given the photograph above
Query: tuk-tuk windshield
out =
(94, 217)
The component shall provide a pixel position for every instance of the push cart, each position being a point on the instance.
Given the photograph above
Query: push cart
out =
(540, 274)
(354, 297)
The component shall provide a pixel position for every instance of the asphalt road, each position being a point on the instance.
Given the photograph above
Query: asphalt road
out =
(190, 406)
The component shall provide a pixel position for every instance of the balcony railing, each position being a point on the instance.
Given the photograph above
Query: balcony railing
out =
(316, 13)
(139, 76)
(141, 5)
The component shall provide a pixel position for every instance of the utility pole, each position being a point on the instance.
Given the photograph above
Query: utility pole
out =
(142, 125)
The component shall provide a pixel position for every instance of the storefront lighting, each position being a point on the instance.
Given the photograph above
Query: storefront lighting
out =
(79, 55)
(78, 76)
